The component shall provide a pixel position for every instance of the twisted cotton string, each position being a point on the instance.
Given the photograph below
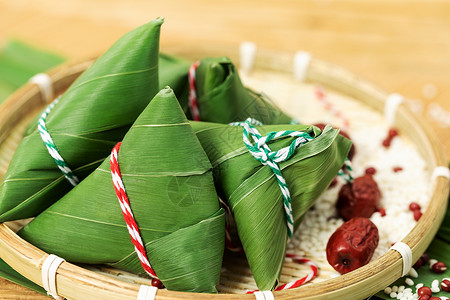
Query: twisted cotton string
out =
(48, 272)
(302, 61)
(406, 253)
(250, 120)
(51, 147)
(296, 258)
(263, 295)
(147, 292)
(440, 171)
(347, 173)
(311, 275)
(390, 107)
(228, 240)
(261, 151)
(247, 51)
(193, 103)
(132, 227)
(322, 97)
(44, 82)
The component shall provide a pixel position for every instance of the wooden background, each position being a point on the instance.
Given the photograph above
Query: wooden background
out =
(401, 45)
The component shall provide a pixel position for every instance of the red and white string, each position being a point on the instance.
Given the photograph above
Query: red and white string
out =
(296, 258)
(193, 102)
(132, 227)
(322, 97)
(294, 284)
(311, 275)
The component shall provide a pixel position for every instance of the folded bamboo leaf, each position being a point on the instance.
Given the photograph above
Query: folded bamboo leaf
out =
(90, 118)
(222, 98)
(173, 72)
(254, 195)
(169, 182)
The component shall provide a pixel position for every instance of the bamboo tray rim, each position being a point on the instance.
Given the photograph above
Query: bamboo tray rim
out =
(75, 282)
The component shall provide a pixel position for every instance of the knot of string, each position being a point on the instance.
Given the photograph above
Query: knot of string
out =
(258, 147)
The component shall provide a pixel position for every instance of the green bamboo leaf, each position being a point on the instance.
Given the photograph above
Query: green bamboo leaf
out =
(95, 113)
(253, 194)
(173, 72)
(30, 57)
(19, 62)
(223, 99)
(12, 73)
(169, 182)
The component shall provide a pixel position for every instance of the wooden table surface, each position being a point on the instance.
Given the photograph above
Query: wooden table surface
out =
(402, 46)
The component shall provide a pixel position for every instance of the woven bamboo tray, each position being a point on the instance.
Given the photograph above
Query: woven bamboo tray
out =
(75, 282)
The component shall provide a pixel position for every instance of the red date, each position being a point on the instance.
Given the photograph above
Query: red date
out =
(352, 245)
(358, 199)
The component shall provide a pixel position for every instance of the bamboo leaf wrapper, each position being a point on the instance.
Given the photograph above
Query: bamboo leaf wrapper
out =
(94, 114)
(169, 182)
(222, 98)
(253, 194)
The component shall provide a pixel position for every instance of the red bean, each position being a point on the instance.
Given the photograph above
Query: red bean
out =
(414, 206)
(445, 285)
(418, 264)
(382, 211)
(371, 171)
(157, 283)
(434, 298)
(424, 297)
(424, 291)
(417, 215)
(397, 169)
(392, 132)
(425, 258)
(439, 267)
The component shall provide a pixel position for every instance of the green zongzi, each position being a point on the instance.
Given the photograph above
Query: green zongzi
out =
(222, 98)
(252, 189)
(168, 179)
(93, 115)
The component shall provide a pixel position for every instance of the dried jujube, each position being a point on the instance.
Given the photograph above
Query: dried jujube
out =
(352, 245)
(359, 198)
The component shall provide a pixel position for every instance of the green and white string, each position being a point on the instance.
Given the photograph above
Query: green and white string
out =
(51, 147)
(347, 173)
(261, 151)
(251, 121)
